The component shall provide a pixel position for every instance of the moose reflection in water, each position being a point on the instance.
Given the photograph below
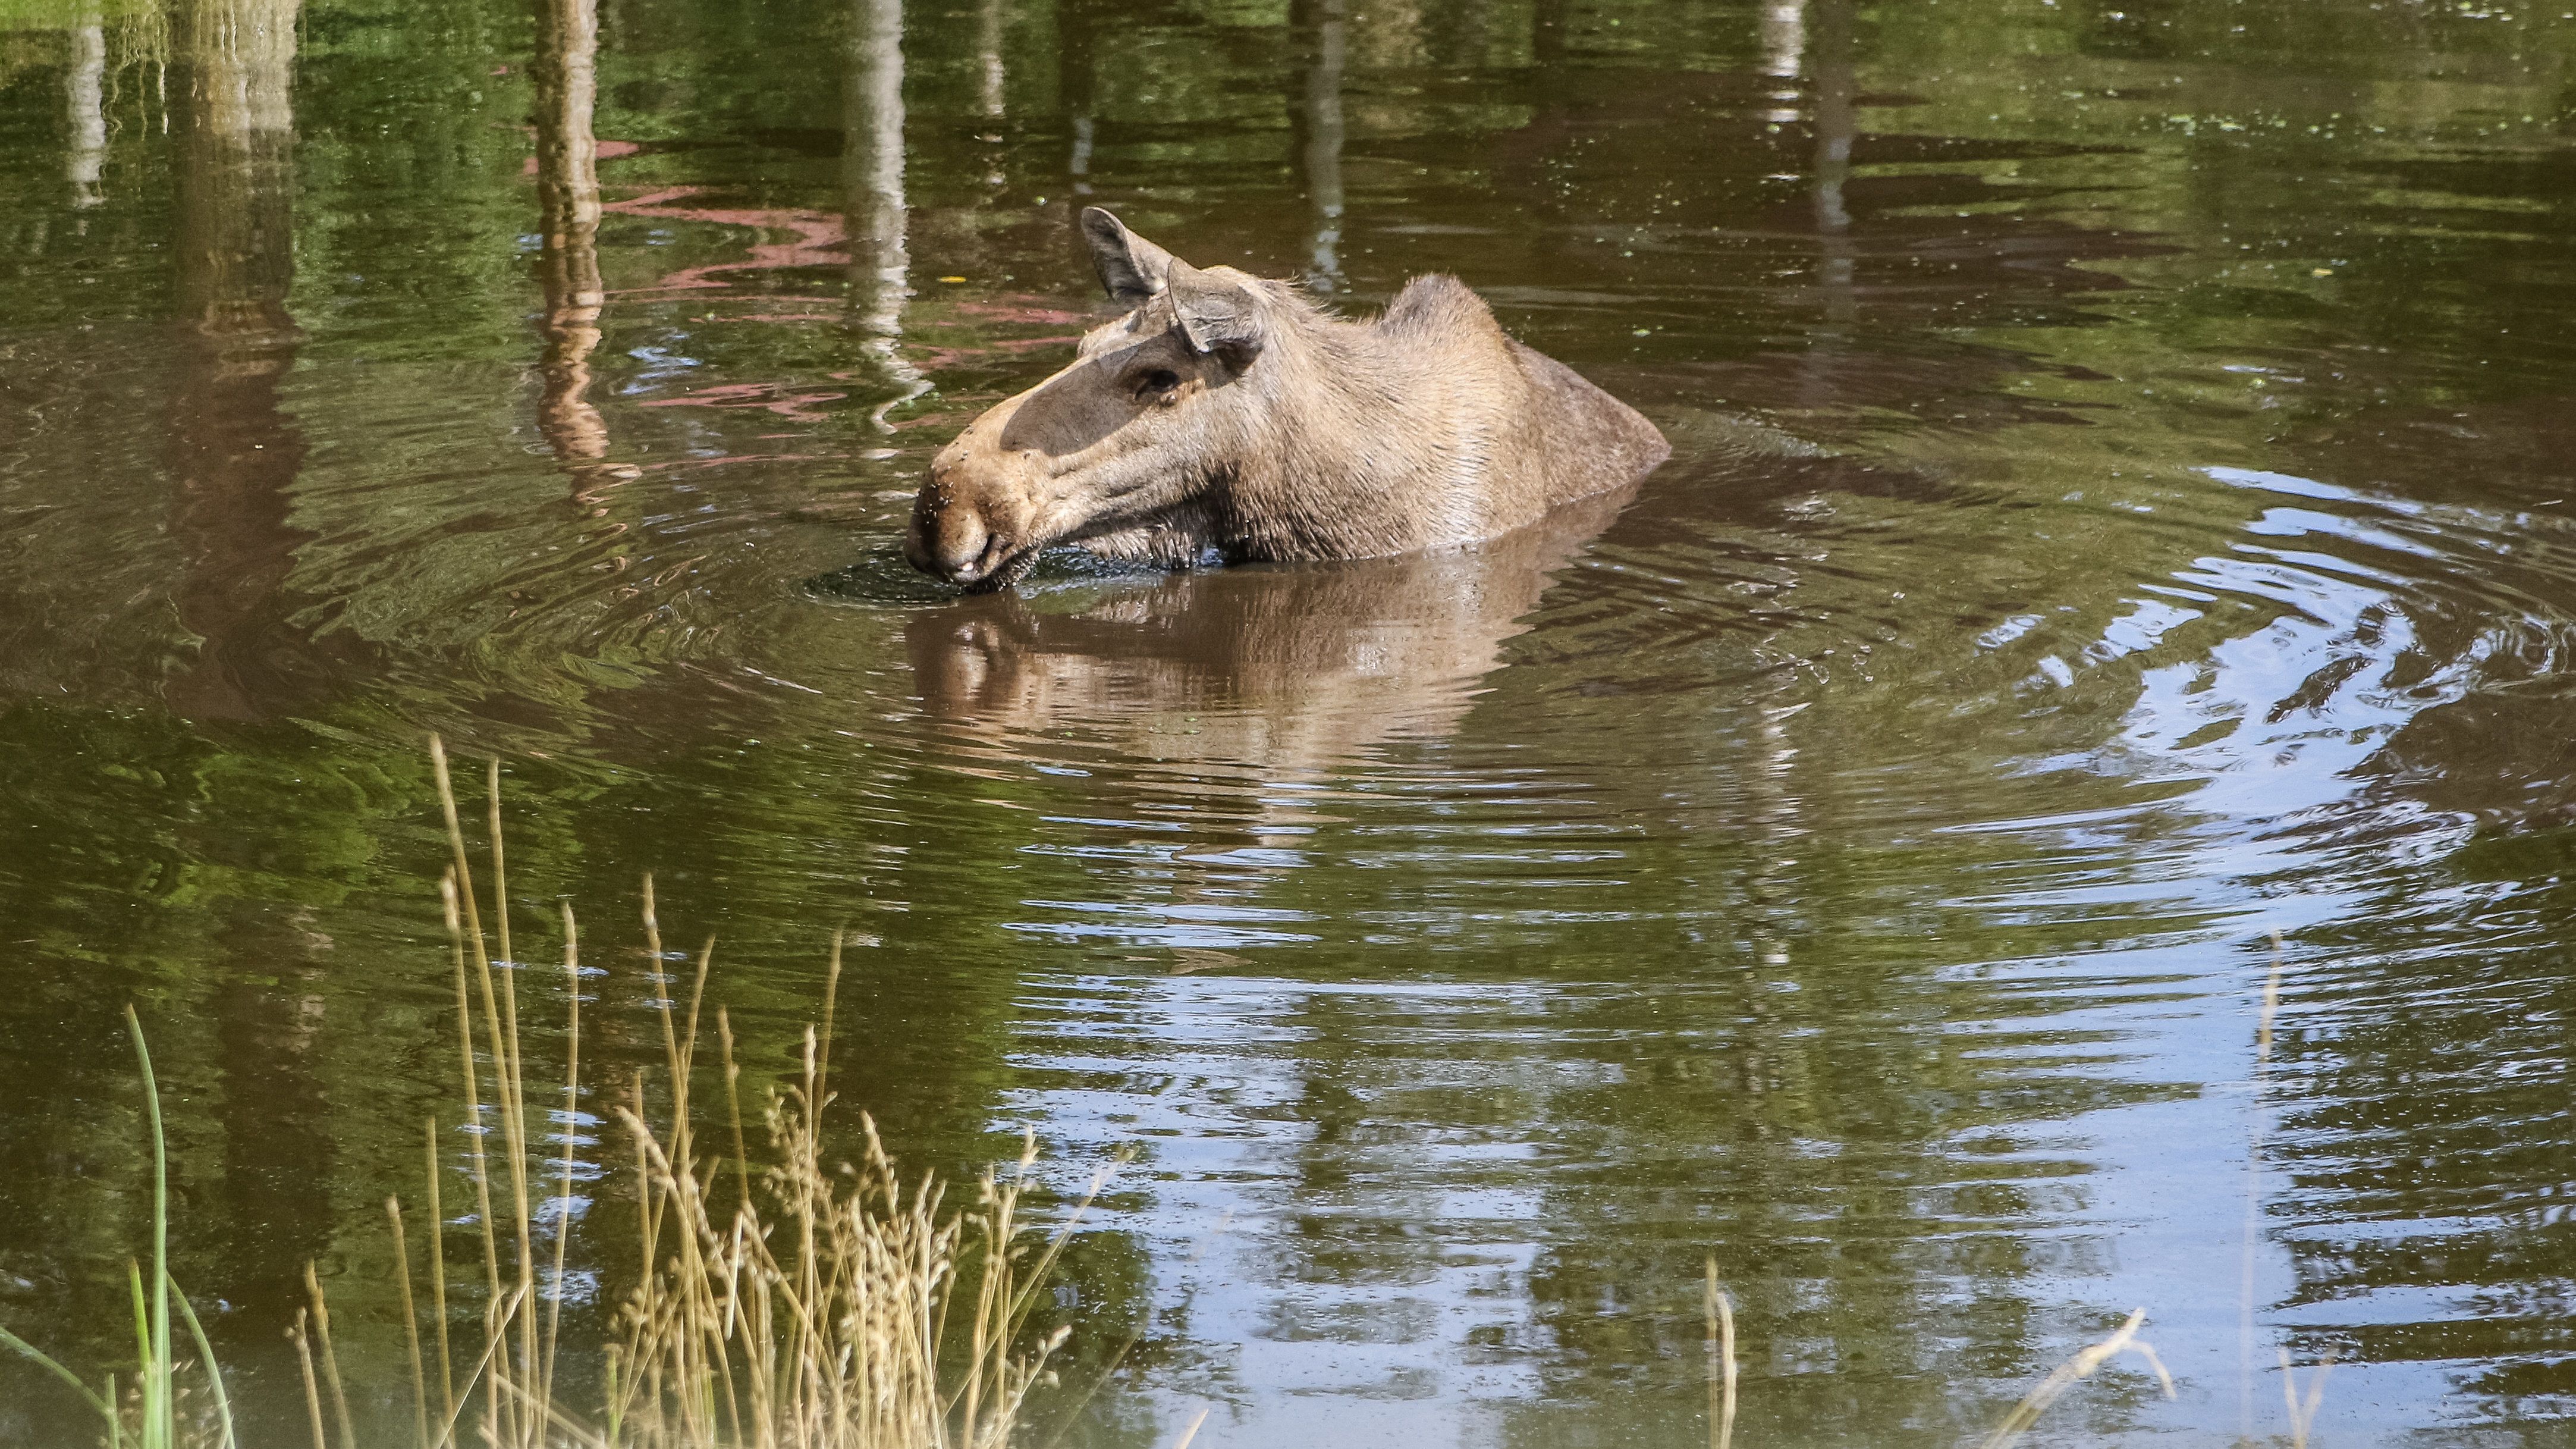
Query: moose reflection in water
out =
(1226, 415)
(1290, 669)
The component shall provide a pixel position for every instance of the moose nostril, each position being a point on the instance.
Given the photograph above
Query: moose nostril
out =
(960, 540)
(943, 539)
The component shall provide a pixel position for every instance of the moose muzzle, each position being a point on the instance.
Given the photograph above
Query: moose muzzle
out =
(974, 521)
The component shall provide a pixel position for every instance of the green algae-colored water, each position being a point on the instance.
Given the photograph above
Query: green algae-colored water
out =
(2121, 506)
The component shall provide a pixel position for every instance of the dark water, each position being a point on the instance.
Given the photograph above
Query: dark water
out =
(2120, 507)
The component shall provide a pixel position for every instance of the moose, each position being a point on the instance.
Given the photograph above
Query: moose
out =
(1225, 417)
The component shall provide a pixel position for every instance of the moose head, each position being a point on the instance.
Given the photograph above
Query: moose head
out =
(1126, 451)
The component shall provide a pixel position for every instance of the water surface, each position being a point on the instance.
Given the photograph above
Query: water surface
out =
(2120, 509)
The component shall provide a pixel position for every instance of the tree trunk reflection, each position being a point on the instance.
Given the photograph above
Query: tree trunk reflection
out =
(84, 105)
(1078, 23)
(1836, 124)
(567, 85)
(1320, 122)
(872, 160)
(237, 451)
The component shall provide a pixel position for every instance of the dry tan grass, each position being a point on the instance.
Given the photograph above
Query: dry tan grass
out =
(2075, 1370)
(780, 1307)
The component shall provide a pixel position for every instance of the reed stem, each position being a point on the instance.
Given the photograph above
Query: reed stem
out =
(411, 1327)
(438, 1289)
(1720, 1311)
(330, 1358)
(571, 1136)
(312, 1391)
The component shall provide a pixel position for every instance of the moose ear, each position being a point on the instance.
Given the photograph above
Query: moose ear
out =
(1131, 268)
(1216, 315)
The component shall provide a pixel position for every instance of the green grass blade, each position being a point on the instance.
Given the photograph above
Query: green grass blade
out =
(148, 1370)
(142, 1322)
(214, 1375)
(88, 1395)
(159, 1421)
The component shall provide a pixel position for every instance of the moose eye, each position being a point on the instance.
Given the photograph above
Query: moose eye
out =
(1156, 383)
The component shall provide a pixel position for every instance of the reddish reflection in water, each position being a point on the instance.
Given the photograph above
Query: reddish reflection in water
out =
(816, 239)
(764, 396)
